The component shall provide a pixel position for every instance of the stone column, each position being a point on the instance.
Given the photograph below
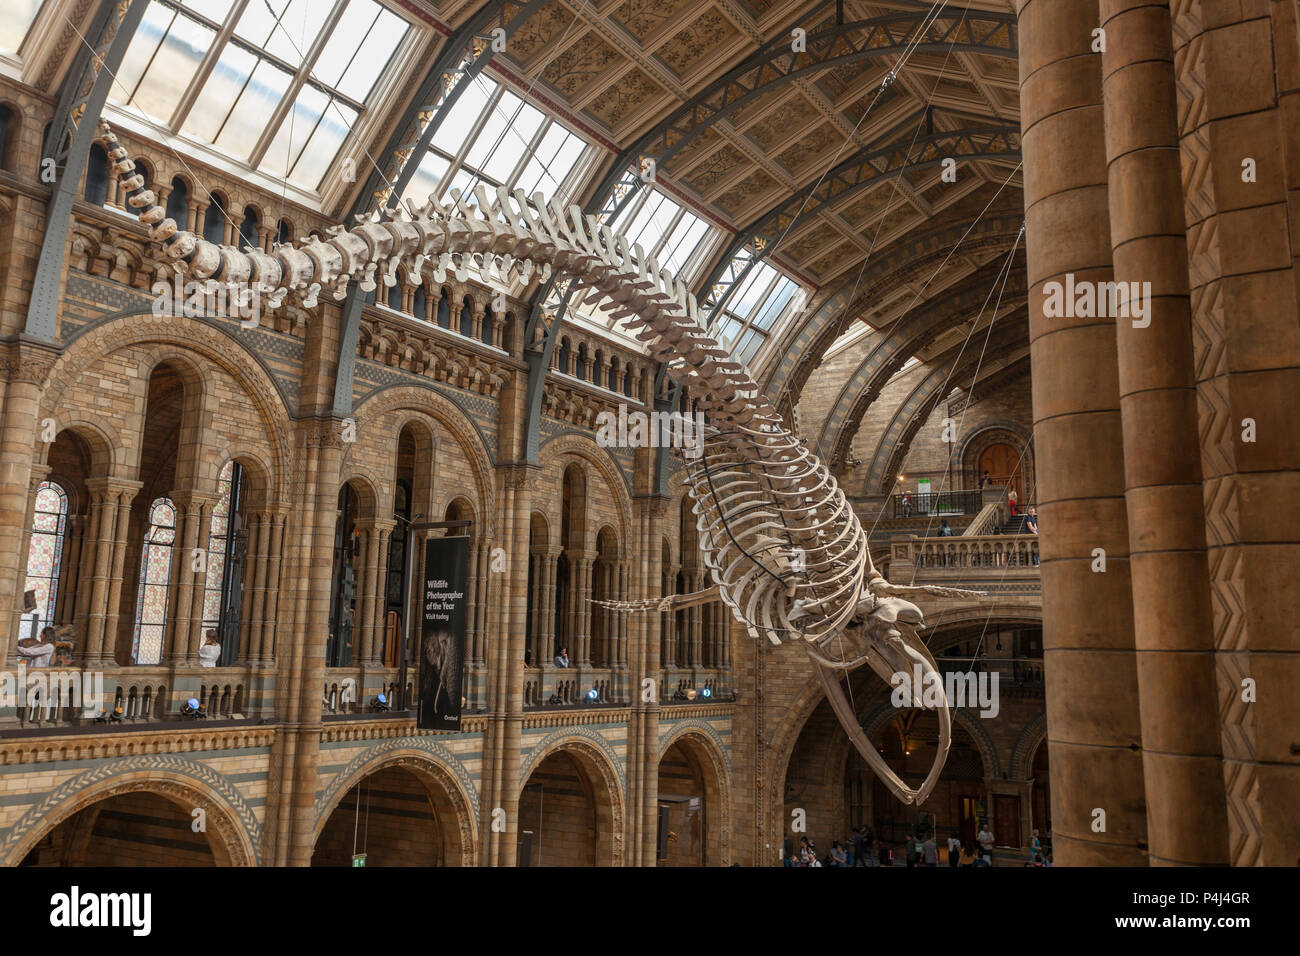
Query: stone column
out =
(373, 585)
(254, 558)
(126, 493)
(322, 447)
(1237, 75)
(549, 565)
(1094, 730)
(194, 627)
(70, 568)
(1173, 622)
(27, 366)
(581, 610)
(274, 584)
(255, 622)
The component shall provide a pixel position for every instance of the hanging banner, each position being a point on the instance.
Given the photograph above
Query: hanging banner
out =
(442, 634)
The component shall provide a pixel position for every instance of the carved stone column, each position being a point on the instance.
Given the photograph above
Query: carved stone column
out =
(1172, 616)
(1095, 737)
(113, 497)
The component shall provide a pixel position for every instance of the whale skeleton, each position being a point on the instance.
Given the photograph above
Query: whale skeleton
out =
(782, 544)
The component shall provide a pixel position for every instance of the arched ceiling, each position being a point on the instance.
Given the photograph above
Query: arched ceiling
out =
(830, 156)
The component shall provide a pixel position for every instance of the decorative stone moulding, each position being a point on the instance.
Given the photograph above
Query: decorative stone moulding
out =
(782, 544)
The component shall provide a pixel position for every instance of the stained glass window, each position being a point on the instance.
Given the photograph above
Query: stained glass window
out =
(155, 582)
(45, 556)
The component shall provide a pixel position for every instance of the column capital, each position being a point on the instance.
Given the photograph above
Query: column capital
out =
(110, 486)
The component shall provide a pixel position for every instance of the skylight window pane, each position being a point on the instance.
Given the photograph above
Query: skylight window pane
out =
(324, 146)
(172, 68)
(259, 19)
(755, 284)
(16, 18)
(427, 177)
(681, 245)
(148, 36)
(775, 304)
(259, 99)
(747, 347)
(456, 127)
(296, 32)
(340, 49)
(226, 82)
(294, 132)
(373, 55)
(214, 10)
(490, 140)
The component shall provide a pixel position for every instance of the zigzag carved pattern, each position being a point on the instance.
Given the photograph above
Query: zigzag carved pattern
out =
(1245, 844)
(1193, 75)
(1238, 716)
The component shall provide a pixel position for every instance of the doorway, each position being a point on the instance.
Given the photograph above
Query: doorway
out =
(1002, 462)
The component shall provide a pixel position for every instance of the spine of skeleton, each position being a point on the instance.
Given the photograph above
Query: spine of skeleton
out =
(778, 533)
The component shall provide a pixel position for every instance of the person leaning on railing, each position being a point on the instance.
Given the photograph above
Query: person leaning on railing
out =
(37, 651)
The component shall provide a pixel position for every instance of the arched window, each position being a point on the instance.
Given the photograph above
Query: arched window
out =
(486, 332)
(155, 582)
(283, 231)
(343, 609)
(627, 380)
(444, 311)
(564, 356)
(581, 370)
(248, 229)
(97, 176)
(224, 576)
(178, 203)
(466, 318)
(214, 220)
(45, 557)
(597, 369)
(420, 303)
(6, 124)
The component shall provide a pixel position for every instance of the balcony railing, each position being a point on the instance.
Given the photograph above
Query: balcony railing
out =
(995, 552)
(936, 503)
(72, 696)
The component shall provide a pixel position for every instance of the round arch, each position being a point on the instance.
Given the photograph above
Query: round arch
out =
(597, 761)
(140, 326)
(447, 797)
(234, 835)
(412, 404)
(702, 742)
(554, 449)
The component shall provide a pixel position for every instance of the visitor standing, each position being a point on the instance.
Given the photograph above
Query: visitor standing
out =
(929, 852)
(954, 849)
(985, 839)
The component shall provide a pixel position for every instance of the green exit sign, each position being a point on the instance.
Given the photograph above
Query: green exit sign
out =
(359, 859)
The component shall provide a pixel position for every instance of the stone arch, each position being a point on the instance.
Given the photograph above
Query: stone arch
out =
(140, 327)
(834, 315)
(991, 433)
(442, 778)
(448, 414)
(234, 832)
(711, 753)
(602, 766)
(584, 447)
(1026, 745)
(100, 436)
(366, 486)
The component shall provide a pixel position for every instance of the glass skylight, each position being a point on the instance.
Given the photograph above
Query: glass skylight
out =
(751, 313)
(276, 83)
(492, 137)
(16, 18)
